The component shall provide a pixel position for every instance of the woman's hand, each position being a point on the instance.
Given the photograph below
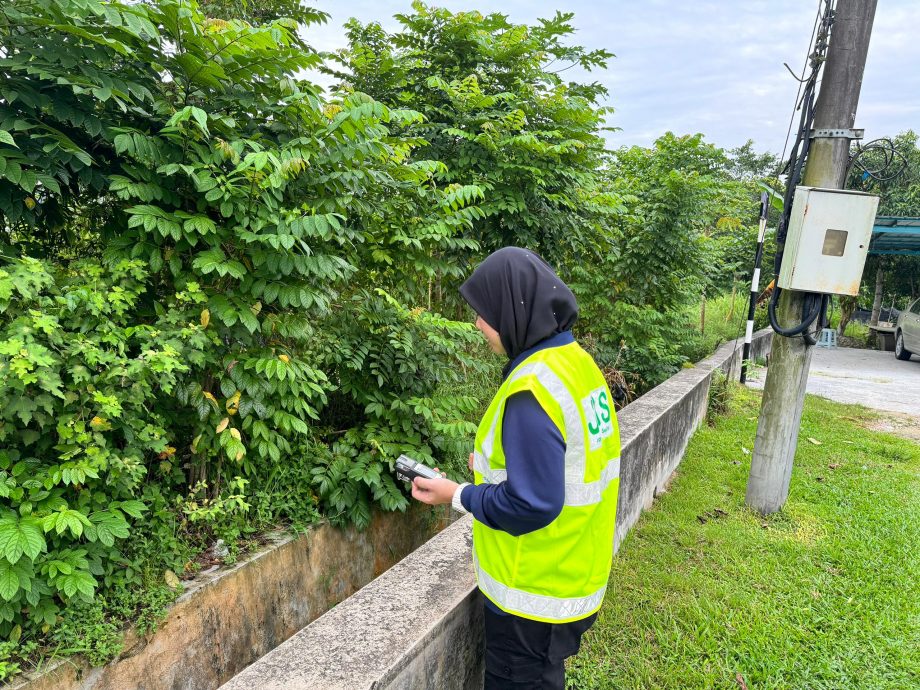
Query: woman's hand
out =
(471, 462)
(433, 491)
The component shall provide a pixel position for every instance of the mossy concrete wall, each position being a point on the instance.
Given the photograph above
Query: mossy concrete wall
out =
(227, 619)
(419, 625)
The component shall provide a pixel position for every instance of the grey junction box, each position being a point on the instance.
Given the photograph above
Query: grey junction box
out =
(827, 240)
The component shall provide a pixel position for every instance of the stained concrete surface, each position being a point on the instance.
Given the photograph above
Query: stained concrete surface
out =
(413, 628)
(867, 377)
(227, 619)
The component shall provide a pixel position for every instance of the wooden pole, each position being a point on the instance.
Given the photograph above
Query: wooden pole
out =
(790, 358)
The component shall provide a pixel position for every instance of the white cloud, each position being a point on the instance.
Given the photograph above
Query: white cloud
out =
(712, 66)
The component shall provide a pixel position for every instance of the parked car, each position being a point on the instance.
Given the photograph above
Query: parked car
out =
(907, 332)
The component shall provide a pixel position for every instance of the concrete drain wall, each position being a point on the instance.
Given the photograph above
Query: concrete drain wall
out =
(419, 624)
(227, 619)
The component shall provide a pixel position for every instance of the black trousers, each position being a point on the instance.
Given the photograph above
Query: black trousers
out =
(521, 653)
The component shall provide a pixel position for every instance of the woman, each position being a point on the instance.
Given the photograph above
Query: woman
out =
(546, 468)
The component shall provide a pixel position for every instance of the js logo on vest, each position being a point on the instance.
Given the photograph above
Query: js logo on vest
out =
(598, 415)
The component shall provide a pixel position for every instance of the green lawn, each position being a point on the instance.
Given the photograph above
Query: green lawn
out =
(824, 595)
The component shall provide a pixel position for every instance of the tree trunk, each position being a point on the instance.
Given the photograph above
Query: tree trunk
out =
(703, 314)
(877, 302)
(847, 307)
(731, 309)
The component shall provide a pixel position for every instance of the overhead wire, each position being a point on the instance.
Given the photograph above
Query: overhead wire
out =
(814, 306)
(822, 10)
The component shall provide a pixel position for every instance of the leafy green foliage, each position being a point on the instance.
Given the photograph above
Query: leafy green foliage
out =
(497, 113)
(246, 323)
(397, 369)
(684, 227)
(82, 419)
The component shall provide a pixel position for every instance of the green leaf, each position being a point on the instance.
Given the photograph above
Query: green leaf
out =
(79, 581)
(18, 537)
(9, 581)
(201, 117)
(133, 508)
(209, 261)
(7, 138)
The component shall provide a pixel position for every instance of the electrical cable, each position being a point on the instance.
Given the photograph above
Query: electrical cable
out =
(800, 79)
(814, 306)
(872, 172)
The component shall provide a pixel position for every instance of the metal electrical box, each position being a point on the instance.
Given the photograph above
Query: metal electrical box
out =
(827, 240)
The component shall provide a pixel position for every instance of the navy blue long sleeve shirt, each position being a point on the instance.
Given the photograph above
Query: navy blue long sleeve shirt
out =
(533, 494)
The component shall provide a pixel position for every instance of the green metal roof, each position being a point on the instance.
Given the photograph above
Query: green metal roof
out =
(895, 236)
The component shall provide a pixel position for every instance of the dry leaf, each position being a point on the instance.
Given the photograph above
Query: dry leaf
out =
(172, 579)
(284, 358)
(814, 440)
(850, 442)
(834, 465)
(100, 424)
(224, 423)
(740, 679)
(233, 403)
(205, 318)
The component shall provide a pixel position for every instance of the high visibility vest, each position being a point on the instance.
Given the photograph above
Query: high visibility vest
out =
(558, 573)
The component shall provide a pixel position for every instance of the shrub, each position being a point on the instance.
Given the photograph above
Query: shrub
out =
(83, 417)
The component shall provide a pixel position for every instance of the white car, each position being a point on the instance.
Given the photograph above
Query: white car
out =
(907, 332)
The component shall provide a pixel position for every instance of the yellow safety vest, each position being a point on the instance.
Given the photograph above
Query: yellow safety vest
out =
(558, 573)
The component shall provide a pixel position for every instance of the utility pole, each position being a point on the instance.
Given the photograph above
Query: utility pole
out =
(784, 390)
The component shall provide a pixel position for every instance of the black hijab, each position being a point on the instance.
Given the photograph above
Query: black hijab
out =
(520, 296)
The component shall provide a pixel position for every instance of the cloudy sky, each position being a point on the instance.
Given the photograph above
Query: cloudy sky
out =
(706, 66)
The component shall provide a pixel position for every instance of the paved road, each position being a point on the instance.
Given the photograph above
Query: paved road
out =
(868, 377)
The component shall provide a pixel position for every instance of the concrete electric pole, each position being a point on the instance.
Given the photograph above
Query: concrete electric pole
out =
(784, 390)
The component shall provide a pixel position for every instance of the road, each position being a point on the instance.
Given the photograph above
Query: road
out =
(868, 377)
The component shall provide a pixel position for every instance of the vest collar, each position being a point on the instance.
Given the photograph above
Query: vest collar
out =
(557, 340)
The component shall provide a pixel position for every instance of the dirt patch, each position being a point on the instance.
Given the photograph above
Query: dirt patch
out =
(897, 423)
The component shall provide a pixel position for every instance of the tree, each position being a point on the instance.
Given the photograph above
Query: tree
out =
(497, 112)
(744, 163)
(893, 172)
(683, 234)
(228, 282)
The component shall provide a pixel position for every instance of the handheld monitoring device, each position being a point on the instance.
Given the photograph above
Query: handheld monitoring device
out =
(408, 469)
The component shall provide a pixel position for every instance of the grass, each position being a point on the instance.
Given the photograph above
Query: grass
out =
(823, 595)
(858, 332)
(724, 322)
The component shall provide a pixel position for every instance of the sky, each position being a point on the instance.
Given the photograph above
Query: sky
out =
(714, 67)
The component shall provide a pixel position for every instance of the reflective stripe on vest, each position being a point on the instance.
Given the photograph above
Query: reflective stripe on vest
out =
(537, 605)
(577, 491)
